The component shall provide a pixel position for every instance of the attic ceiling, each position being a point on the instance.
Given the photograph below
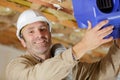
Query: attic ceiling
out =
(60, 12)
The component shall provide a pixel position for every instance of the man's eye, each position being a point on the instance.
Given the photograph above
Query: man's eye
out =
(43, 29)
(31, 31)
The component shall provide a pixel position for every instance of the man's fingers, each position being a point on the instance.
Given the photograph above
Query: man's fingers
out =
(105, 34)
(89, 25)
(107, 40)
(100, 25)
(105, 31)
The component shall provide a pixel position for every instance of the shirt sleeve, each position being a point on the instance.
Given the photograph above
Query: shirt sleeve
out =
(105, 69)
(51, 69)
(109, 65)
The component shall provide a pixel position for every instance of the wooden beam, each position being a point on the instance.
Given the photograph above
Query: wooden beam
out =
(13, 6)
(23, 2)
(69, 23)
(40, 2)
(21, 8)
(50, 17)
(66, 23)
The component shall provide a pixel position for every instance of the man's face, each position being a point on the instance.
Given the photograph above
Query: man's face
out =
(37, 37)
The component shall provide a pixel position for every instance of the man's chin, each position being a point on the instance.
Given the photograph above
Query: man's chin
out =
(42, 50)
(42, 45)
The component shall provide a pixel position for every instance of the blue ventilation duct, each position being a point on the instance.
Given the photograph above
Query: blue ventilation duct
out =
(96, 11)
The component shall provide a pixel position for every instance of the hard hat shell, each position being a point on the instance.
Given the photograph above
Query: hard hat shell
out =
(27, 17)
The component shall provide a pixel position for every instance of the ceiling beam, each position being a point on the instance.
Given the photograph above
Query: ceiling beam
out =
(21, 8)
(13, 6)
(66, 23)
(40, 2)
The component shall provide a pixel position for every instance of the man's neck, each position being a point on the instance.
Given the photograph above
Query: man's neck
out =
(41, 57)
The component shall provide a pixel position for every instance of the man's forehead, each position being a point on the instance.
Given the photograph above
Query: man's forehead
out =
(38, 22)
(33, 25)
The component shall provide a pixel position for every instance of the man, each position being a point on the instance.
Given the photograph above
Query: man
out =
(34, 32)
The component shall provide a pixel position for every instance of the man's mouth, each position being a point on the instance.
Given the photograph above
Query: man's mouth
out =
(40, 41)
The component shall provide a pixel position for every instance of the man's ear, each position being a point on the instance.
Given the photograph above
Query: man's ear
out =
(23, 42)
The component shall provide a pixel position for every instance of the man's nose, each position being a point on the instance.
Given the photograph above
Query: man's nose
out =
(39, 33)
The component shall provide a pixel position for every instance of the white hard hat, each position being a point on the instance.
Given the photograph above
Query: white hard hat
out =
(28, 17)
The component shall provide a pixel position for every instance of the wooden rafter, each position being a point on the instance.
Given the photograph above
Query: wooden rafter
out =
(20, 8)
(13, 6)
(40, 2)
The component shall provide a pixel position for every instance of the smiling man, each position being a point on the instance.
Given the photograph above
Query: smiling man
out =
(34, 32)
(37, 39)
